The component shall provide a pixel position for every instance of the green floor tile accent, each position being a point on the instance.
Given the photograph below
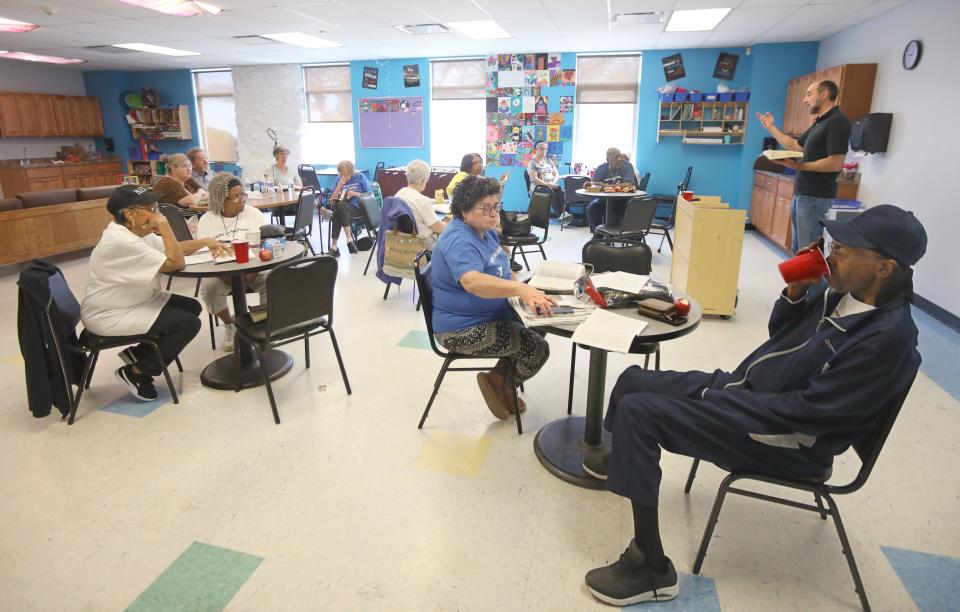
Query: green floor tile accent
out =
(415, 339)
(204, 578)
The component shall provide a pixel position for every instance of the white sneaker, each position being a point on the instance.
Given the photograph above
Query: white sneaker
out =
(226, 345)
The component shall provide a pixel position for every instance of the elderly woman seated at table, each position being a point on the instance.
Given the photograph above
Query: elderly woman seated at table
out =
(428, 225)
(280, 172)
(123, 295)
(471, 165)
(346, 204)
(471, 283)
(228, 219)
(177, 187)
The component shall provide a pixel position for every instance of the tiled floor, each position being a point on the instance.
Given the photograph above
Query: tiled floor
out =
(347, 506)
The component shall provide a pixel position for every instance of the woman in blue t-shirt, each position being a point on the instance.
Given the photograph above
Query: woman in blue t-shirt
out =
(471, 283)
(346, 204)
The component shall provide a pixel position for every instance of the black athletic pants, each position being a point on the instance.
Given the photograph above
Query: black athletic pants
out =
(343, 214)
(175, 327)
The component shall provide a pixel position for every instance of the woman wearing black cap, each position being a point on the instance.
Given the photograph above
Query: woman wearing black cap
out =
(123, 295)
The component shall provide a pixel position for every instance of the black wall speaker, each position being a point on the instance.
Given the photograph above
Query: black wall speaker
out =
(871, 132)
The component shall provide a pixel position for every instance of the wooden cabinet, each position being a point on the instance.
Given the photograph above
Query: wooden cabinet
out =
(10, 124)
(43, 115)
(706, 253)
(44, 178)
(856, 94)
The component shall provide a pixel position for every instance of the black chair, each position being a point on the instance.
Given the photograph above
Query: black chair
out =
(64, 309)
(356, 216)
(571, 199)
(538, 216)
(370, 214)
(644, 181)
(663, 225)
(303, 220)
(636, 221)
(606, 256)
(376, 170)
(180, 231)
(425, 284)
(867, 449)
(300, 298)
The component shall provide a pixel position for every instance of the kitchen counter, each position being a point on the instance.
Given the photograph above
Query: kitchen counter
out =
(48, 163)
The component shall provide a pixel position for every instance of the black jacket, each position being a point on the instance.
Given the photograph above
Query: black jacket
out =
(45, 375)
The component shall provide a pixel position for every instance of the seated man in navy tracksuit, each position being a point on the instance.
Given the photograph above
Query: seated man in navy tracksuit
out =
(838, 352)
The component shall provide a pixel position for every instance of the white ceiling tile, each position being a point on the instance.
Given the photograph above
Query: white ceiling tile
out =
(450, 10)
(687, 5)
(733, 38)
(787, 34)
(749, 18)
(520, 28)
(823, 15)
(681, 40)
(576, 8)
(510, 9)
(641, 6)
(749, 3)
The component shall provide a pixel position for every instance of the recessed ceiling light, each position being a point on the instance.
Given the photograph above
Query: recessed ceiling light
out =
(301, 40)
(155, 49)
(30, 57)
(424, 28)
(698, 20)
(480, 30)
(177, 8)
(638, 18)
(12, 25)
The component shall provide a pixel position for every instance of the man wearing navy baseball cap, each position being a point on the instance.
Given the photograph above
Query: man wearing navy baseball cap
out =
(123, 295)
(841, 349)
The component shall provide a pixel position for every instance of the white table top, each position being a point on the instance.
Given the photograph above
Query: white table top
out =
(600, 194)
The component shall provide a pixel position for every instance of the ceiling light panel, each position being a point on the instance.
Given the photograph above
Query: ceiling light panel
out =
(31, 57)
(480, 30)
(422, 29)
(698, 20)
(155, 49)
(177, 8)
(17, 27)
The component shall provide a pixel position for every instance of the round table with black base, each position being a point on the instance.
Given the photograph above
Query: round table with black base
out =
(242, 369)
(561, 445)
(611, 200)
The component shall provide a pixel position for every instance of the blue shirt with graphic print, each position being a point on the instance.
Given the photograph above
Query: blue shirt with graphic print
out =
(460, 250)
(358, 183)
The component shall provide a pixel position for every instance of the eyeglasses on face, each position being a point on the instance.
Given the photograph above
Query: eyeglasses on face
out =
(491, 210)
(238, 198)
(839, 247)
(153, 209)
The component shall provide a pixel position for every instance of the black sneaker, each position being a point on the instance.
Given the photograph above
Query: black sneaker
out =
(334, 252)
(629, 580)
(127, 356)
(596, 464)
(352, 248)
(139, 385)
(516, 267)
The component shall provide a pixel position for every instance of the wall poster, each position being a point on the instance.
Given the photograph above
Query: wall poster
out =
(726, 66)
(370, 77)
(673, 67)
(391, 122)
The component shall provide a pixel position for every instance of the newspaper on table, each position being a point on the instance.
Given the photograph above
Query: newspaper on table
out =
(580, 312)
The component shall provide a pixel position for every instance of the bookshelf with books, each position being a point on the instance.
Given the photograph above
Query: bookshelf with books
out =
(706, 123)
(160, 123)
(147, 172)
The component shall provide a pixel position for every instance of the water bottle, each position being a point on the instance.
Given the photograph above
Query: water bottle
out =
(268, 181)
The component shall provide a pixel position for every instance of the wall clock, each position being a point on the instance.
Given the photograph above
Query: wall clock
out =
(911, 54)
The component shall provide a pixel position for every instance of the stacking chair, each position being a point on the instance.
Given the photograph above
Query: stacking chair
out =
(574, 203)
(663, 225)
(644, 181)
(868, 450)
(425, 284)
(303, 221)
(606, 256)
(63, 311)
(356, 216)
(180, 231)
(539, 216)
(300, 298)
(636, 221)
(370, 213)
(376, 170)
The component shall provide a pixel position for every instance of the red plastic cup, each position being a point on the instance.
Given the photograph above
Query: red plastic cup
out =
(241, 250)
(804, 266)
(687, 195)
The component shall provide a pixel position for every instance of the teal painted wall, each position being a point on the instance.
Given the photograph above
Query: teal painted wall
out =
(717, 170)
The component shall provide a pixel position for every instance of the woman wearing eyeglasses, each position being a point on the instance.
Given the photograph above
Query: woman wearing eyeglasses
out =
(228, 219)
(123, 295)
(471, 283)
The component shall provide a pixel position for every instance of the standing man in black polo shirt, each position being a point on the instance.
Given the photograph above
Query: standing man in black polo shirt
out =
(824, 148)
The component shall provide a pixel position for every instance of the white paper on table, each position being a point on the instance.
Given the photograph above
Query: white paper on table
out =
(621, 281)
(609, 331)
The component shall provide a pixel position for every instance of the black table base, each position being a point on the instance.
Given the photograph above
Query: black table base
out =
(224, 372)
(560, 448)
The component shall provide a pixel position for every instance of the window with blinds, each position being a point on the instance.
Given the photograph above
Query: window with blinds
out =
(327, 89)
(218, 114)
(458, 79)
(608, 79)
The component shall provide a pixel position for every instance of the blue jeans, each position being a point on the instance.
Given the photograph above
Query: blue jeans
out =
(806, 213)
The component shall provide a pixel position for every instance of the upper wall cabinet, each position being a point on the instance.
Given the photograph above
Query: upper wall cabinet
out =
(44, 115)
(856, 93)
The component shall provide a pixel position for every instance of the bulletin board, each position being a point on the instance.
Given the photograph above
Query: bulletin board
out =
(391, 122)
(525, 104)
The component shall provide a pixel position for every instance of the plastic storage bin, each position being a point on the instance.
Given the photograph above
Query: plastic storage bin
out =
(741, 96)
(725, 97)
(666, 97)
(710, 97)
(846, 204)
(696, 97)
(680, 97)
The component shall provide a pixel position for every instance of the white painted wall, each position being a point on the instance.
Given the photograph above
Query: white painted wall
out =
(917, 164)
(268, 96)
(37, 78)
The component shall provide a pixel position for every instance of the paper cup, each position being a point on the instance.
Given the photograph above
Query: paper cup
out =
(687, 195)
(241, 250)
(804, 266)
(253, 238)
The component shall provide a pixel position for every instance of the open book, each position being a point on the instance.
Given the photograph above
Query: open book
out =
(781, 154)
(765, 163)
(557, 276)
